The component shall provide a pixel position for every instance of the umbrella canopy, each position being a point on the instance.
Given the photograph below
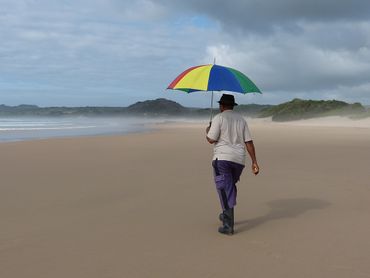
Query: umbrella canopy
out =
(213, 78)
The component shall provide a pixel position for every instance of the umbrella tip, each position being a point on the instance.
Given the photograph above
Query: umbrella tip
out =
(214, 60)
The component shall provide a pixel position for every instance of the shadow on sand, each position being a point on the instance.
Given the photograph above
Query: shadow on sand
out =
(283, 208)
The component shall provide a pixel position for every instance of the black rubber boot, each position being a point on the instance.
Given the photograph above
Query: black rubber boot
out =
(222, 217)
(228, 222)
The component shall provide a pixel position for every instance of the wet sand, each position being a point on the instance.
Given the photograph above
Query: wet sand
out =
(144, 205)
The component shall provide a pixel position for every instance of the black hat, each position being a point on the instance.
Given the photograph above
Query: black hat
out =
(227, 100)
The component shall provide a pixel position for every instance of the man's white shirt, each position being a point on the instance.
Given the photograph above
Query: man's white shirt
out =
(231, 131)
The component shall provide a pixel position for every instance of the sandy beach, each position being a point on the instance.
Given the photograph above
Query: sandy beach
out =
(144, 205)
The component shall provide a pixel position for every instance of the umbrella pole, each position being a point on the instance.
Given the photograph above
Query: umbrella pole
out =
(210, 121)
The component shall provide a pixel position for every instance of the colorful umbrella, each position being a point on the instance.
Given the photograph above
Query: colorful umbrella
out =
(213, 78)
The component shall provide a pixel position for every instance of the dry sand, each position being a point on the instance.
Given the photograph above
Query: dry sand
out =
(144, 205)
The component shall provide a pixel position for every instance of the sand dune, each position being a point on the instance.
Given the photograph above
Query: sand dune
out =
(332, 121)
(144, 205)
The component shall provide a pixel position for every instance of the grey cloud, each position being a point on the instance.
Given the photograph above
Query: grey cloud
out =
(301, 48)
(293, 63)
(266, 15)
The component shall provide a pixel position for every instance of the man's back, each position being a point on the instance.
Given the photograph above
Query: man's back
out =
(230, 130)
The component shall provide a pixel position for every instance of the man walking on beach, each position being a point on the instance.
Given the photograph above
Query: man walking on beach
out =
(231, 138)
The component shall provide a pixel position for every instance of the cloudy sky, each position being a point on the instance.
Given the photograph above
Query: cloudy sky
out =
(117, 52)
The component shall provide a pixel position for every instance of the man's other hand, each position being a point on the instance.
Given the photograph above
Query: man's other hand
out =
(255, 168)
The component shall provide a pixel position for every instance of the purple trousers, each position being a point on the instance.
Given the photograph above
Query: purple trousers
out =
(226, 174)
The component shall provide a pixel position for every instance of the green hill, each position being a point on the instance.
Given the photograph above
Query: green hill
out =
(298, 109)
(160, 106)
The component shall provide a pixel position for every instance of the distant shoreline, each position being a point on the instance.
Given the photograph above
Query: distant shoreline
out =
(296, 109)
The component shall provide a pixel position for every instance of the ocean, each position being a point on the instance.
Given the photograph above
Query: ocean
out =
(26, 128)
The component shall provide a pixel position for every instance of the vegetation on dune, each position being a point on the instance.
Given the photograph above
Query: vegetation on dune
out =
(298, 109)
